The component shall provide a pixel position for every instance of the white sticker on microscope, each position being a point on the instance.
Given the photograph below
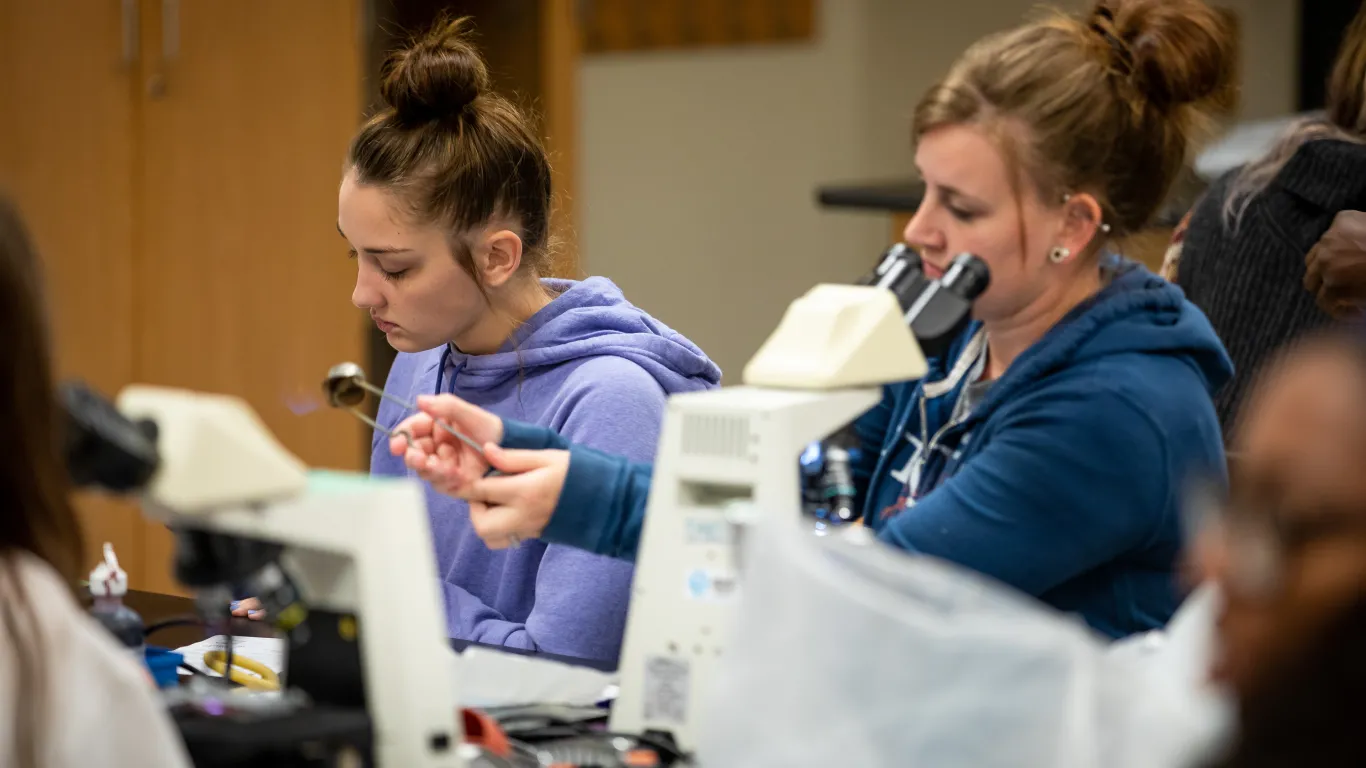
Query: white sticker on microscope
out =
(666, 689)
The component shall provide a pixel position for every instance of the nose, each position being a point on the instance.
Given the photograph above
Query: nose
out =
(367, 294)
(921, 233)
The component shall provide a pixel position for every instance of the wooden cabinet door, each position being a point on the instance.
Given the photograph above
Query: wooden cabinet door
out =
(244, 284)
(67, 148)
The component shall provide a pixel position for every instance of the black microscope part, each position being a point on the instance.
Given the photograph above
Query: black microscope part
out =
(102, 447)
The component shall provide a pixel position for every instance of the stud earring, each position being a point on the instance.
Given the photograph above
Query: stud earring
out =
(1059, 254)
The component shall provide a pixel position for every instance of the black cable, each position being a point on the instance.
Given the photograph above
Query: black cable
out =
(186, 620)
(189, 620)
(227, 661)
(661, 746)
(558, 728)
(192, 670)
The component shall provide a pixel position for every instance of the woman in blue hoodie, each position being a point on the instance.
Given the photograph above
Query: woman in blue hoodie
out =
(445, 203)
(1052, 445)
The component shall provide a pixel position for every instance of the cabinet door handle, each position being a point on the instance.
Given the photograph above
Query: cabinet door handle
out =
(170, 30)
(130, 32)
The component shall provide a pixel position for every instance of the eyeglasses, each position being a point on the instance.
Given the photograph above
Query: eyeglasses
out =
(1261, 534)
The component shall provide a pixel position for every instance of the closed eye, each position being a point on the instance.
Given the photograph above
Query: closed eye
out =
(390, 275)
(962, 214)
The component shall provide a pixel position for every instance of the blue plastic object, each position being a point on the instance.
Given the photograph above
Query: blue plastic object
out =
(164, 664)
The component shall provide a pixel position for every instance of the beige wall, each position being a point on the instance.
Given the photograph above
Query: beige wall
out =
(1270, 52)
(698, 174)
(698, 169)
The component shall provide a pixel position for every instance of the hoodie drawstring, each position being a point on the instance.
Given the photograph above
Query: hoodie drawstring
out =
(441, 372)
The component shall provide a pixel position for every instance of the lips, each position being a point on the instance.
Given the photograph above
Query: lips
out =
(383, 325)
(932, 271)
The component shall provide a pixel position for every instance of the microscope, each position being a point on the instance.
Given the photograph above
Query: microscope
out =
(343, 563)
(937, 312)
(728, 455)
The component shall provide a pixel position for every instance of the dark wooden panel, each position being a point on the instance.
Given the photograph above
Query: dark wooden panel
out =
(638, 25)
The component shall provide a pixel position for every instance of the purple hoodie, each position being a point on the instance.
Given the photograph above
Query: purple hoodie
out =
(596, 369)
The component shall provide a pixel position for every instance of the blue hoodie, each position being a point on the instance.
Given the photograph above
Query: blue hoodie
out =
(1064, 481)
(594, 368)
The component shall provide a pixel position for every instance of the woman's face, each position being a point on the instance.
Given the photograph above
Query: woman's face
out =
(970, 206)
(1291, 550)
(407, 278)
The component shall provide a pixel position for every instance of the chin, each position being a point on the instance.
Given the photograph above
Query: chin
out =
(401, 342)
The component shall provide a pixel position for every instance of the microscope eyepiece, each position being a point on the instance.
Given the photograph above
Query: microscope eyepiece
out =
(103, 448)
(967, 277)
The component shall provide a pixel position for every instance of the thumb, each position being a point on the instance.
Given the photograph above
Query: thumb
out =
(444, 406)
(514, 461)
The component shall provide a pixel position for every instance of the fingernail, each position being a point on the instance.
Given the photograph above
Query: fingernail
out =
(234, 605)
(254, 614)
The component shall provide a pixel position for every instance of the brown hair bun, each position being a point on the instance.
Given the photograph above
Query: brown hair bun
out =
(438, 77)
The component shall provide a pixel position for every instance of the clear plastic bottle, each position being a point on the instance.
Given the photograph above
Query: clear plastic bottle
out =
(108, 585)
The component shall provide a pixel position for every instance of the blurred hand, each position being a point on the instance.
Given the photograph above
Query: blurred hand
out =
(1335, 268)
(519, 503)
(248, 608)
(439, 457)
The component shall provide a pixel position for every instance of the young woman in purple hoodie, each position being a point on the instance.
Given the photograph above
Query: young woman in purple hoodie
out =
(445, 203)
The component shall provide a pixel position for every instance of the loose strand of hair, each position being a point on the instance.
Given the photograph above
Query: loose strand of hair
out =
(1256, 176)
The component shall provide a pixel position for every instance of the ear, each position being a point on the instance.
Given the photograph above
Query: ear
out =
(501, 257)
(1082, 219)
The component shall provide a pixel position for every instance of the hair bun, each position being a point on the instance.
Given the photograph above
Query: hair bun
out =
(1175, 51)
(436, 77)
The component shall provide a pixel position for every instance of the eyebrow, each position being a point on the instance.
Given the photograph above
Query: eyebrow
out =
(949, 191)
(382, 249)
(953, 192)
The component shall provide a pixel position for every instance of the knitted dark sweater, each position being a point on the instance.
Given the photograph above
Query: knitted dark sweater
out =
(1250, 281)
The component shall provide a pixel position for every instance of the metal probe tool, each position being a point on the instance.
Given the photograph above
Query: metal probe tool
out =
(346, 386)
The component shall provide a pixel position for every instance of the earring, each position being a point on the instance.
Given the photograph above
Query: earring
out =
(1059, 254)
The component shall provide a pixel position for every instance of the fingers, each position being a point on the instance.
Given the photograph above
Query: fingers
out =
(497, 489)
(1313, 270)
(418, 429)
(513, 482)
(415, 451)
(508, 508)
(1339, 301)
(448, 407)
(515, 462)
(471, 419)
(498, 526)
(248, 608)
(447, 468)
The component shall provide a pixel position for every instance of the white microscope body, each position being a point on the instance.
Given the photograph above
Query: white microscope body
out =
(353, 544)
(725, 452)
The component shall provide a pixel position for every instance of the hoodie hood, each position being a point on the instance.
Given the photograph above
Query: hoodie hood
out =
(586, 319)
(1139, 313)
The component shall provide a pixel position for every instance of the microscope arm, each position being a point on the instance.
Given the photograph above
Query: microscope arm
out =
(601, 507)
